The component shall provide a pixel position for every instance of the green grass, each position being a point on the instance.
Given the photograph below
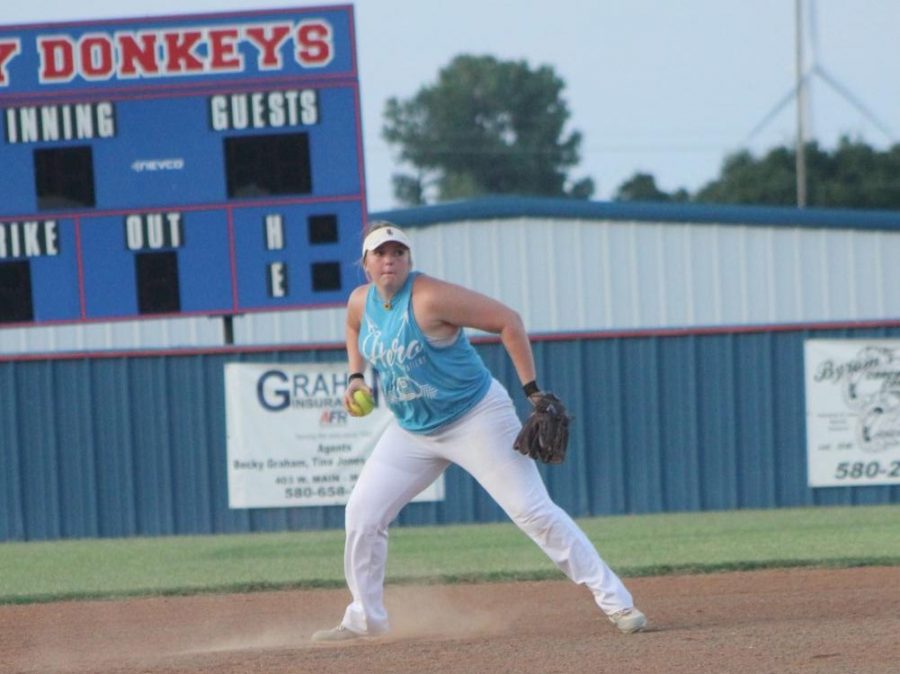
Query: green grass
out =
(633, 545)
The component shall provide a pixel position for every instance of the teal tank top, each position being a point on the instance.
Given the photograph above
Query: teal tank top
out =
(425, 386)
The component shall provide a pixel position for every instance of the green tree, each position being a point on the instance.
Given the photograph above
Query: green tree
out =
(486, 127)
(642, 187)
(852, 175)
(745, 179)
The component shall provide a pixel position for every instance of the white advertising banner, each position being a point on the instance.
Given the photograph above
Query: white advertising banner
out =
(852, 412)
(290, 440)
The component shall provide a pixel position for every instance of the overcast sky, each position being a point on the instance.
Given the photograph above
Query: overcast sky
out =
(657, 86)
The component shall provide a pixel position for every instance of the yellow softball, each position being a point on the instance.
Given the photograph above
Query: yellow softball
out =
(364, 402)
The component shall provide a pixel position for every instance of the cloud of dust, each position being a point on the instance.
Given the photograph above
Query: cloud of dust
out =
(443, 611)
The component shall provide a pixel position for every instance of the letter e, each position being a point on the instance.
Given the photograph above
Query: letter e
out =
(278, 280)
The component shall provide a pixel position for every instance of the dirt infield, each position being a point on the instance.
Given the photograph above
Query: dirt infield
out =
(801, 620)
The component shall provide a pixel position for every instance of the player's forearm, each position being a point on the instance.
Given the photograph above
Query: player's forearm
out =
(518, 346)
(355, 360)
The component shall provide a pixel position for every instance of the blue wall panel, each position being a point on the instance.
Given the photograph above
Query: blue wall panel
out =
(599, 411)
(12, 519)
(755, 439)
(789, 405)
(112, 441)
(38, 458)
(126, 446)
(678, 424)
(75, 449)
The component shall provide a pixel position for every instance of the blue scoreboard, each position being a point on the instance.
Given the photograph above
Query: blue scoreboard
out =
(203, 164)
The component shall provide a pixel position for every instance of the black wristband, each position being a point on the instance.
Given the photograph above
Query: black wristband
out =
(530, 388)
(356, 375)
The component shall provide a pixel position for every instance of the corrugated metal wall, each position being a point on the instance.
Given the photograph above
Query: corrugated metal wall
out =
(118, 335)
(641, 275)
(110, 447)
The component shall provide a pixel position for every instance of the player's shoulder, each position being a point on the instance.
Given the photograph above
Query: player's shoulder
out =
(357, 300)
(429, 288)
(358, 294)
(424, 283)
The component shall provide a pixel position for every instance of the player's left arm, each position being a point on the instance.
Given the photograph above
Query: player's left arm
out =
(440, 305)
(356, 362)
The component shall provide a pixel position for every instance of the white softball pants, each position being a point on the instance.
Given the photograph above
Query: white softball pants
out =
(403, 464)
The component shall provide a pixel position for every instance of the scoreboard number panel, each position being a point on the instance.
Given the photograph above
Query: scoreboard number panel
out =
(207, 164)
(300, 250)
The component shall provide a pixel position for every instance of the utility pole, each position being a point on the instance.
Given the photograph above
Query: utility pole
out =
(801, 107)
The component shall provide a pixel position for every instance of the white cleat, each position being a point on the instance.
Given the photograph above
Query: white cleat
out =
(629, 620)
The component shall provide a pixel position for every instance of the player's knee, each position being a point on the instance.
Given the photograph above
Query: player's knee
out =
(354, 514)
(362, 518)
(536, 517)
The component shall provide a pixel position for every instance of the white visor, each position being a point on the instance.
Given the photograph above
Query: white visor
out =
(383, 235)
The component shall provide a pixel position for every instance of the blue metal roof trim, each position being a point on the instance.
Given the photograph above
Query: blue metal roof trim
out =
(517, 207)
